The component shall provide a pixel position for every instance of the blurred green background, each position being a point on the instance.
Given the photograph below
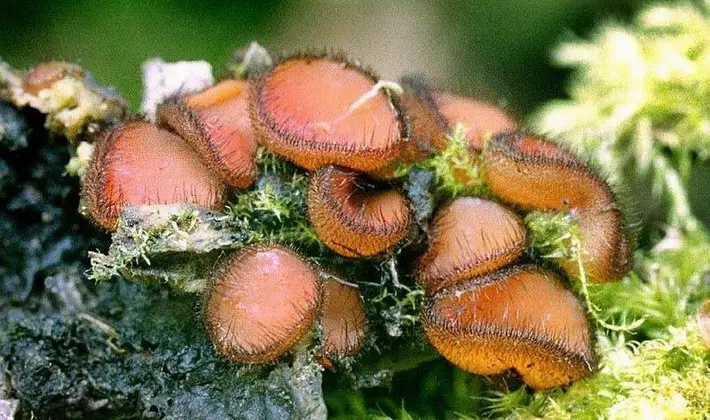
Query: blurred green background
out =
(493, 48)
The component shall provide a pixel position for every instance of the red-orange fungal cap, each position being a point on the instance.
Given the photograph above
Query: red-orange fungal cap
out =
(469, 237)
(353, 219)
(534, 174)
(481, 119)
(137, 163)
(520, 318)
(343, 319)
(263, 300)
(427, 128)
(47, 74)
(317, 110)
(216, 123)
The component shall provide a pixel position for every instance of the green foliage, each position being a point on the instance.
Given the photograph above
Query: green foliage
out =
(456, 170)
(553, 235)
(276, 209)
(638, 103)
(670, 285)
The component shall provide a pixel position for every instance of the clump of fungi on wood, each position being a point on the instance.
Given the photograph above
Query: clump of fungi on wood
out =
(488, 308)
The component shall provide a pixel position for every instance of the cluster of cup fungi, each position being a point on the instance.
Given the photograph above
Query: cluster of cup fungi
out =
(484, 310)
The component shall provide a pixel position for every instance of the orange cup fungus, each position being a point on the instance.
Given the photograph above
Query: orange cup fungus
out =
(321, 110)
(330, 116)
(481, 119)
(138, 163)
(469, 237)
(520, 318)
(534, 174)
(262, 302)
(431, 116)
(428, 129)
(47, 74)
(215, 122)
(343, 319)
(353, 219)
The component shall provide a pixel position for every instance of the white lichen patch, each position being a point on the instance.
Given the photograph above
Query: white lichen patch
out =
(163, 80)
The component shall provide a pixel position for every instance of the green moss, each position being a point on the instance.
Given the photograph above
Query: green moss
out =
(638, 104)
(456, 170)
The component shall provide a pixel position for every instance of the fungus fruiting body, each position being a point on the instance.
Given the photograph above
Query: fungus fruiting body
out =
(520, 318)
(534, 174)
(427, 126)
(138, 163)
(355, 219)
(317, 110)
(481, 119)
(216, 123)
(469, 237)
(343, 319)
(45, 75)
(483, 310)
(261, 303)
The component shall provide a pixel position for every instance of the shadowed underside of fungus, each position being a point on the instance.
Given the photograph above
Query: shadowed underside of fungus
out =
(215, 122)
(520, 318)
(353, 218)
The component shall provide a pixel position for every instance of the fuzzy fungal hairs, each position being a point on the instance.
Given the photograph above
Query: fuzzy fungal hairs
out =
(355, 219)
(137, 163)
(343, 319)
(521, 318)
(216, 124)
(262, 301)
(534, 174)
(469, 237)
(321, 110)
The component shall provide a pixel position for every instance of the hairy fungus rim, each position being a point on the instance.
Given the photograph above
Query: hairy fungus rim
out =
(264, 122)
(449, 277)
(445, 326)
(323, 190)
(175, 108)
(103, 212)
(270, 353)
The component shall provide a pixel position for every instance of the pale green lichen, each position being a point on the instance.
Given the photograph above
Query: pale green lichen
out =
(638, 102)
(78, 164)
